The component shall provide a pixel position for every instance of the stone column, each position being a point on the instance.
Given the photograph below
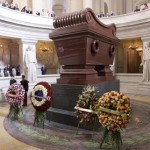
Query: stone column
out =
(96, 7)
(102, 6)
(75, 5)
(23, 44)
(38, 6)
(87, 4)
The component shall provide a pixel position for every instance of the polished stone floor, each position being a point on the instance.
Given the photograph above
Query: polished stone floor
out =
(21, 135)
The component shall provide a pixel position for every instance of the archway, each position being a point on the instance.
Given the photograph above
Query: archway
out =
(58, 9)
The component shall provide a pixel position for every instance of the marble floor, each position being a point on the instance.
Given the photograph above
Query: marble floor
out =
(9, 142)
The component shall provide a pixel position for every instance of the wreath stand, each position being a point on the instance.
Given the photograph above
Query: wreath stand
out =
(40, 116)
(88, 111)
(110, 135)
(115, 136)
(13, 107)
(11, 110)
(39, 119)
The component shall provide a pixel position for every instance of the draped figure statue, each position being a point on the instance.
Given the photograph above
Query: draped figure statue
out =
(30, 63)
(146, 62)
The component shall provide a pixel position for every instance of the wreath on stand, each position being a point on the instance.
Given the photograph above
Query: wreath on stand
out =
(86, 102)
(14, 96)
(41, 97)
(114, 113)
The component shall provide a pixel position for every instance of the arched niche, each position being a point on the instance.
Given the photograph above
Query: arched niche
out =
(46, 55)
(9, 52)
(58, 9)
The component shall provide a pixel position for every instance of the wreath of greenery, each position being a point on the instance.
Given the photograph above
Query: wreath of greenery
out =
(114, 110)
(41, 96)
(114, 113)
(88, 100)
(14, 96)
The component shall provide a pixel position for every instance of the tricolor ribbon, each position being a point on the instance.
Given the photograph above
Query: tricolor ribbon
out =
(100, 109)
(48, 98)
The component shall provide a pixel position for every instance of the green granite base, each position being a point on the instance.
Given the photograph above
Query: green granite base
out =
(65, 97)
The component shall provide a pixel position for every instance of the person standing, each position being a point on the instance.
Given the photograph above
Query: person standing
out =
(13, 71)
(25, 85)
(12, 80)
(136, 9)
(145, 6)
(18, 70)
(43, 70)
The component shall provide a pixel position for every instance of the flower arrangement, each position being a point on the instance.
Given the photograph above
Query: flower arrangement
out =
(88, 100)
(14, 96)
(41, 97)
(114, 113)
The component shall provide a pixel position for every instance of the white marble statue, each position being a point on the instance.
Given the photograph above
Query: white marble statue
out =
(30, 63)
(146, 62)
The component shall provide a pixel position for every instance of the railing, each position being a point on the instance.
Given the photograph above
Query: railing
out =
(17, 17)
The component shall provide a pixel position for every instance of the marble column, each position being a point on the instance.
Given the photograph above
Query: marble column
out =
(102, 6)
(38, 6)
(23, 44)
(87, 4)
(96, 7)
(75, 5)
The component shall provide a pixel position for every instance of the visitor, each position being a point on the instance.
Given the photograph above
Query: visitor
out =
(1, 73)
(5, 4)
(48, 14)
(101, 15)
(43, 12)
(23, 9)
(12, 80)
(18, 70)
(16, 7)
(136, 9)
(29, 11)
(112, 13)
(37, 13)
(25, 85)
(11, 6)
(6, 72)
(145, 7)
(9, 68)
(43, 70)
(13, 71)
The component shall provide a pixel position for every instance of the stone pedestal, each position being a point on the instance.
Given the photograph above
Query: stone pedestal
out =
(65, 97)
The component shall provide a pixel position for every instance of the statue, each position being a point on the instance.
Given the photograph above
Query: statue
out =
(30, 63)
(146, 62)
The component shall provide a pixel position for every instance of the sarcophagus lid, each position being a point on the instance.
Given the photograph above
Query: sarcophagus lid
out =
(80, 38)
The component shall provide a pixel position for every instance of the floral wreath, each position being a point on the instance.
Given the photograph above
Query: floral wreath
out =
(15, 94)
(87, 100)
(41, 96)
(114, 110)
